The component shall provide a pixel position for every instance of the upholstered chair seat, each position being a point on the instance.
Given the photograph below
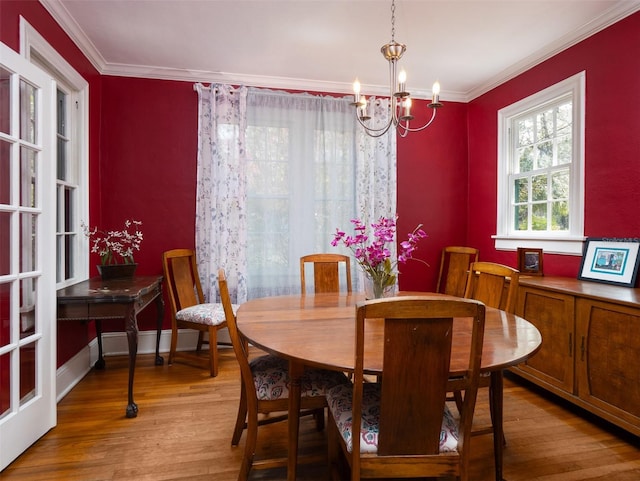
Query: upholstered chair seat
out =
(210, 314)
(339, 401)
(271, 378)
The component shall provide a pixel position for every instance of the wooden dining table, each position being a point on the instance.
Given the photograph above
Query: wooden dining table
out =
(318, 330)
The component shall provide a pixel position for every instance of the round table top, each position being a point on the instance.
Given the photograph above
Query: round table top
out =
(319, 330)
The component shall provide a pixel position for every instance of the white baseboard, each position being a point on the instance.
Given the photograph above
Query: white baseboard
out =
(115, 344)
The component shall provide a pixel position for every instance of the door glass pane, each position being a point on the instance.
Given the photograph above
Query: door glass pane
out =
(27, 177)
(5, 105)
(5, 238)
(5, 384)
(5, 314)
(27, 112)
(27, 372)
(27, 242)
(27, 307)
(5, 172)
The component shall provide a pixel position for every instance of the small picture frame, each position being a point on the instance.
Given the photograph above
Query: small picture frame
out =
(610, 260)
(530, 261)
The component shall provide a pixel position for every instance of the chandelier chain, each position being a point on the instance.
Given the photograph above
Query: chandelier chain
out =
(393, 21)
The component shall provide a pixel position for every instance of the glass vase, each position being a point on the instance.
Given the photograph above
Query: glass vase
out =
(374, 288)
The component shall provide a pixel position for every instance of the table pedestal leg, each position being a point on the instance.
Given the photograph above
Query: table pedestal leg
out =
(495, 404)
(132, 338)
(295, 373)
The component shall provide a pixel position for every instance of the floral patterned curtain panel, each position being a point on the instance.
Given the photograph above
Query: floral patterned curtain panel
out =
(277, 174)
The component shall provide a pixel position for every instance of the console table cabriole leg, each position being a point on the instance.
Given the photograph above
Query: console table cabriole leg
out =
(99, 364)
(160, 308)
(132, 337)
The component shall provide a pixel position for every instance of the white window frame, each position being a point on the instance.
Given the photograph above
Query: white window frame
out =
(39, 52)
(506, 237)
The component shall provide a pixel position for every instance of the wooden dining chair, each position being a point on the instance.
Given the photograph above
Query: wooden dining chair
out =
(402, 427)
(326, 272)
(189, 309)
(454, 269)
(495, 285)
(265, 390)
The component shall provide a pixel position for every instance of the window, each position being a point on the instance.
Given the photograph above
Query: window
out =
(72, 183)
(541, 170)
(297, 161)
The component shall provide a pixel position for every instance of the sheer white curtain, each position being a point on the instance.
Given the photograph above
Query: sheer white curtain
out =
(277, 174)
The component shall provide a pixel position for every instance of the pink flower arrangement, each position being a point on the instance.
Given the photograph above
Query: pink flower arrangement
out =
(375, 258)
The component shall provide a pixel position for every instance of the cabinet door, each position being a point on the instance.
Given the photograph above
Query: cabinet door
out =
(607, 357)
(552, 313)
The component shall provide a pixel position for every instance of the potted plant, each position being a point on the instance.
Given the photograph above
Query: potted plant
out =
(116, 248)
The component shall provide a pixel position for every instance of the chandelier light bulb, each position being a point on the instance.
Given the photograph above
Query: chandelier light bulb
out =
(407, 107)
(356, 90)
(402, 81)
(435, 100)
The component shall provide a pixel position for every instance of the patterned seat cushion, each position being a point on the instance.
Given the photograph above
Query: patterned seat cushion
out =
(209, 314)
(271, 378)
(339, 399)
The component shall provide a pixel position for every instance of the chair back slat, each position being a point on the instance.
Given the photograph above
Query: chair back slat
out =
(416, 370)
(184, 282)
(326, 272)
(454, 269)
(495, 285)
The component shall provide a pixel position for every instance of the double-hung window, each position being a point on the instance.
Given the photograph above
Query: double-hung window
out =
(72, 179)
(541, 170)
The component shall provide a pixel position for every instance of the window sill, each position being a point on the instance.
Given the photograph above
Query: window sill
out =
(570, 245)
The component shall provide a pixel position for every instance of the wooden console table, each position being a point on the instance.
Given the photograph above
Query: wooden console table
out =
(100, 300)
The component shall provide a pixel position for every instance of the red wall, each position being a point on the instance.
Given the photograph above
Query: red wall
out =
(612, 142)
(432, 189)
(149, 142)
(143, 156)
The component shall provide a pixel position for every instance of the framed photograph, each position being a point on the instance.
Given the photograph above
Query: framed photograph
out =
(612, 261)
(530, 261)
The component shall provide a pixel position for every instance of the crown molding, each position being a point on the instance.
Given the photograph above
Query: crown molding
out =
(77, 35)
(615, 14)
(61, 15)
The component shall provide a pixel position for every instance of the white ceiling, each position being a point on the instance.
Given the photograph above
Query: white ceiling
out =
(470, 46)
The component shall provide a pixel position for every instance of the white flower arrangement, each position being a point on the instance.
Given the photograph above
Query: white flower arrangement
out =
(116, 246)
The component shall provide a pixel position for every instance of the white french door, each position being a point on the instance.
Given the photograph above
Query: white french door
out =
(27, 255)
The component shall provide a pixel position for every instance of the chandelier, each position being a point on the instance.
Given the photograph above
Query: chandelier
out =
(400, 99)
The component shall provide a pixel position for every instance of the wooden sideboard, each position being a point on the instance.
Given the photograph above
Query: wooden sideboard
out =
(590, 351)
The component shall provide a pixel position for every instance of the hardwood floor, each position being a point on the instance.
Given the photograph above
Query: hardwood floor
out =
(183, 432)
